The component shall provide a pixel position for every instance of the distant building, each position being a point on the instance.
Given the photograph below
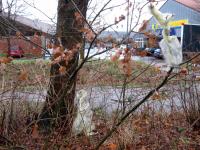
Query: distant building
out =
(34, 30)
(114, 34)
(184, 11)
(141, 40)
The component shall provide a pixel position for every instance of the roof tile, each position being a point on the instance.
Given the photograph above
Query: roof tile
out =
(194, 4)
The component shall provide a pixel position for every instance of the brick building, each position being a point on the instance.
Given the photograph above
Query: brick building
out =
(37, 32)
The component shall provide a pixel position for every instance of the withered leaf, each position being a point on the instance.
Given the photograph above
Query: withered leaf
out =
(23, 75)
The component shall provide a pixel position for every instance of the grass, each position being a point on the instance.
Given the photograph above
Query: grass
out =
(24, 61)
(108, 73)
(29, 61)
(148, 128)
(37, 72)
(93, 73)
(3, 55)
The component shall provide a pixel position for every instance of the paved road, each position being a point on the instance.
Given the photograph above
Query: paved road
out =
(107, 98)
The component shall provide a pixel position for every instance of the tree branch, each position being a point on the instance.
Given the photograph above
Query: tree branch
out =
(135, 108)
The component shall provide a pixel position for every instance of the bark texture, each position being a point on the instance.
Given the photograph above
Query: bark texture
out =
(59, 106)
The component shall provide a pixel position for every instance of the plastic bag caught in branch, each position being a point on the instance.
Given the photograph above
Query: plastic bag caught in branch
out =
(170, 46)
(83, 120)
(172, 50)
(162, 18)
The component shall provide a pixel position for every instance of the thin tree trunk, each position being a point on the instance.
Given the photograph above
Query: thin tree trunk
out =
(58, 109)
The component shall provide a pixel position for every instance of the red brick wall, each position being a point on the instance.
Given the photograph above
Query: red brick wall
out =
(30, 49)
(3, 46)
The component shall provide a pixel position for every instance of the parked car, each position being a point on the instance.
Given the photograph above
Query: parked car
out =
(122, 46)
(141, 48)
(16, 51)
(158, 53)
(47, 55)
(150, 51)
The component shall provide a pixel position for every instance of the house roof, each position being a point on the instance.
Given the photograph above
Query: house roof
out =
(35, 24)
(193, 4)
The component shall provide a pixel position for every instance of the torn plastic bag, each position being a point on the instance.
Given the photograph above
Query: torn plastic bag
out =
(83, 120)
(172, 50)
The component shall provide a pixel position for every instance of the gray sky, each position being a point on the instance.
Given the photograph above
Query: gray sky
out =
(48, 8)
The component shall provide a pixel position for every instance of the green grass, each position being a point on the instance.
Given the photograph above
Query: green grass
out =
(34, 68)
(111, 70)
(2, 55)
(23, 61)
(109, 73)
(28, 61)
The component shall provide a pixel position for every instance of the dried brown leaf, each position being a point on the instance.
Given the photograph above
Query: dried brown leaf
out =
(35, 132)
(62, 70)
(112, 146)
(23, 75)
(183, 71)
(156, 96)
(5, 60)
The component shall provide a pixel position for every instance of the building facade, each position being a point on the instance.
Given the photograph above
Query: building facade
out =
(184, 12)
(35, 34)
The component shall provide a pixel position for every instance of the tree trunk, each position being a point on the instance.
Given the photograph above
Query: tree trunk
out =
(59, 105)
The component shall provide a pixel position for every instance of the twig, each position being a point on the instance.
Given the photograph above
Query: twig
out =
(135, 108)
(83, 17)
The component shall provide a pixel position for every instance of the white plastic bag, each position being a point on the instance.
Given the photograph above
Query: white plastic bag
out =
(170, 46)
(162, 18)
(83, 121)
(172, 51)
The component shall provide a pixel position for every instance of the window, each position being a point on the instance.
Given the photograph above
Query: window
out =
(141, 42)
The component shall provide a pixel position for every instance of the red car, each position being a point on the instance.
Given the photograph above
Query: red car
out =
(16, 51)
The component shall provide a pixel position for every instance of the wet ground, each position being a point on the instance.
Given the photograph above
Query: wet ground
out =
(105, 98)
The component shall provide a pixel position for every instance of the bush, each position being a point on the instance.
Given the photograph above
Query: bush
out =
(190, 100)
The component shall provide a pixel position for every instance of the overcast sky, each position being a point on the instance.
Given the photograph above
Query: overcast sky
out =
(48, 8)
